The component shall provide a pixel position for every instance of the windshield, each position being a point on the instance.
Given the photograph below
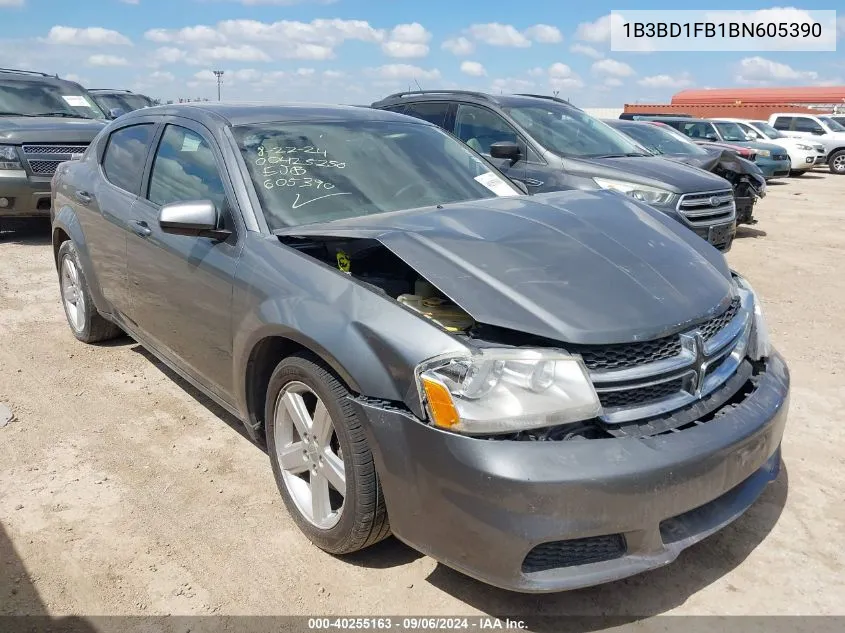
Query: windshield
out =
(126, 102)
(767, 130)
(316, 172)
(661, 140)
(832, 124)
(570, 132)
(39, 98)
(730, 132)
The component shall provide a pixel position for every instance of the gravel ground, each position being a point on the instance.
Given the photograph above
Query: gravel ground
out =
(125, 491)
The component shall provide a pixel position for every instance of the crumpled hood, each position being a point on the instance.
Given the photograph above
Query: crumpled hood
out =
(48, 129)
(655, 171)
(573, 266)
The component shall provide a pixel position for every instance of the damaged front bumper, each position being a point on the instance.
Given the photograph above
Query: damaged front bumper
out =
(541, 516)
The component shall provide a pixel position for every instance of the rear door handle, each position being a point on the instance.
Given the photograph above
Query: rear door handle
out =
(82, 196)
(139, 227)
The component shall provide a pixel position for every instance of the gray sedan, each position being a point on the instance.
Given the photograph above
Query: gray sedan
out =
(543, 392)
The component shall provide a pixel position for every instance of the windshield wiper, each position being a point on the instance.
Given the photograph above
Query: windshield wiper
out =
(62, 114)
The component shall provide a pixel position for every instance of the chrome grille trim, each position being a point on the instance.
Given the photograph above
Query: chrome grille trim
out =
(43, 159)
(705, 207)
(724, 350)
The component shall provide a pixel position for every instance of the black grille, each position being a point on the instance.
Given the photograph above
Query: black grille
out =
(54, 149)
(637, 396)
(625, 355)
(44, 167)
(780, 156)
(712, 327)
(582, 551)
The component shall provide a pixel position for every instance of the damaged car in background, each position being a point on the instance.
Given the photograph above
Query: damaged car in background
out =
(543, 392)
(748, 181)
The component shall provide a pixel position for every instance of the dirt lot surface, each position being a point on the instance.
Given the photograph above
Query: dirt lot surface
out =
(124, 491)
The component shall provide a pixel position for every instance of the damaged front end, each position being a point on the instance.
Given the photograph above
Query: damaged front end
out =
(550, 380)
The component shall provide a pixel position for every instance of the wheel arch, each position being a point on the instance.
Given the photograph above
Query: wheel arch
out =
(66, 227)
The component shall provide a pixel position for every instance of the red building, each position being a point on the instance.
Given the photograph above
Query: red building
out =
(748, 103)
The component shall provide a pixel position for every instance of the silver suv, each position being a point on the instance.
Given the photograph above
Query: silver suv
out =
(822, 128)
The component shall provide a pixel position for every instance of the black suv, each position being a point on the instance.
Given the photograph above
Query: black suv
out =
(117, 102)
(44, 121)
(550, 145)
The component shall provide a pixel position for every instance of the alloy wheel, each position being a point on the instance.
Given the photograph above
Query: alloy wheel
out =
(72, 296)
(309, 455)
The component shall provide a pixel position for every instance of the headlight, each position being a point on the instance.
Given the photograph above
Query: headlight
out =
(806, 148)
(649, 195)
(760, 345)
(9, 157)
(506, 390)
(764, 153)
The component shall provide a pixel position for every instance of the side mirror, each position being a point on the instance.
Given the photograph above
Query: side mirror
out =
(505, 149)
(712, 137)
(818, 132)
(116, 112)
(197, 218)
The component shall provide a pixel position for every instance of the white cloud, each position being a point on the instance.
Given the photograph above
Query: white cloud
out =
(496, 34)
(759, 70)
(11, 3)
(840, 26)
(91, 36)
(612, 67)
(598, 31)
(511, 84)
(70, 76)
(612, 82)
(562, 76)
(683, 80)
(162, 76)
(544, 34)
(537, 72)
(583, 49)
(168, 55)
(107, 60)
(242, 53)
(124, 1)
(473, 69)
(403, 71)
(189, 35)
(333, 74)
(407, 40)
(459, 46)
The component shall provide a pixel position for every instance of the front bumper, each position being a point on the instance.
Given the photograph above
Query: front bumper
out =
(481, 506)
(27, 196)
(773, 168)
(802, 160)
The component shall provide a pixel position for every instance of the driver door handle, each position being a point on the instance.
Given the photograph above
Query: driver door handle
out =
(140, 228)
(82, 196)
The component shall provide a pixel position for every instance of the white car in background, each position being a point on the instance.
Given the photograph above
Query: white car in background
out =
(819, 128)
(804, 154)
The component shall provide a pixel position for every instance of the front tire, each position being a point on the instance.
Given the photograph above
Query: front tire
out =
(837, 162)
(86, 323)
(320, 458)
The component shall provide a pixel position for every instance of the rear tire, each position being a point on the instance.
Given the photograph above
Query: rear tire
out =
(307, 456)
(837, 163)
(86, 323)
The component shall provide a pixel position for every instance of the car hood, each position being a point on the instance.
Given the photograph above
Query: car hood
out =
(48, 130)
(648, 170)
(758, 146)
(572, 266)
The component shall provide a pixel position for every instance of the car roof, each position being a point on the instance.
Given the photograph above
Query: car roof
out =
(34, 76)
(235, 114)
(509, 100)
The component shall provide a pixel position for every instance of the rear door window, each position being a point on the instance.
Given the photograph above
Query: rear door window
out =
(783, 123)
(434, 112)
(125, 155)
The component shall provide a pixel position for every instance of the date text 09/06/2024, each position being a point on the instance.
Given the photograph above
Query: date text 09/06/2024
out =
(415, 623)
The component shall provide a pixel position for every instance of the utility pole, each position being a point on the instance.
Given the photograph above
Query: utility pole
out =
(219, 75)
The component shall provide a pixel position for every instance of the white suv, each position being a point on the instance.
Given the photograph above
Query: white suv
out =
(821, 128)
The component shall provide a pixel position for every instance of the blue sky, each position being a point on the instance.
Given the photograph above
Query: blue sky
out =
(354, 51)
